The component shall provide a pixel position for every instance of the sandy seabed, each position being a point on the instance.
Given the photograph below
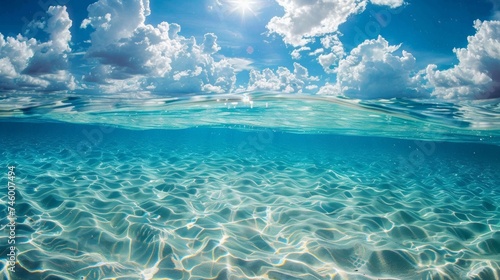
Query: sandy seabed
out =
(193, 204)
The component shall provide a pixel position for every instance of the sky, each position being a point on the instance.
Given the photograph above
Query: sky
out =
(362, 49)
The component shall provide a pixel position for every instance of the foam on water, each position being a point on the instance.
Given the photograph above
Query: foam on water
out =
(212, 203)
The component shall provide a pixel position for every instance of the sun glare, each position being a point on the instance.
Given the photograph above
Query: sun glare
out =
(244, 7)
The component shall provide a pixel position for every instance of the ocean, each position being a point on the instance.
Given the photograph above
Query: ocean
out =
(258, 185)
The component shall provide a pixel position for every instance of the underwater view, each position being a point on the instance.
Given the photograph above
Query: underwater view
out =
(265, 139)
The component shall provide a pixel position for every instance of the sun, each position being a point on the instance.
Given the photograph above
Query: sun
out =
(244, 7)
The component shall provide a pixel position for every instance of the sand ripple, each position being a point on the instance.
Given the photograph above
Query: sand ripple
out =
(155, 209)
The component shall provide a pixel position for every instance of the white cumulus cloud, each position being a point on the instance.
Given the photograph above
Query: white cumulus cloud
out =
(477, 75)
(374, 70)
(296, 52)
(29, 65)
(282, 80)
(152, 58)
(336, 52)
(390, 3)
(306, 19)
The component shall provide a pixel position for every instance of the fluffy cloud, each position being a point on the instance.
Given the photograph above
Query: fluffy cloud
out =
(282, 80)
(210, 44)
(390, 3)
(372, 70)
(29, 65)
(114, 20)
(477, 75)
(304, 20)
(336, 51)
(296, 52)
(240, 64)
(153, 58)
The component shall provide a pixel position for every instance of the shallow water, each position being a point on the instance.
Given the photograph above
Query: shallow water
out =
(465, 121)
(298, 188)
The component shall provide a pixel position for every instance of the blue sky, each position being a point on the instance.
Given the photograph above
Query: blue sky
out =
(355, 48)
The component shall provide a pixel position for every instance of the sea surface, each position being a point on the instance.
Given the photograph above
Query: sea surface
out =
(249, 186)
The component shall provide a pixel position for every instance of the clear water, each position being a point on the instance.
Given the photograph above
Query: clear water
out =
(264, 186)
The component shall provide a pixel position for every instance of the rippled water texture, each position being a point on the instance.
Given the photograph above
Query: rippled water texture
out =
(97, 202)
(467, 121)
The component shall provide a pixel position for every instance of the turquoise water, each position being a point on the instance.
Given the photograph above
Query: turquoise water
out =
(255, 186)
